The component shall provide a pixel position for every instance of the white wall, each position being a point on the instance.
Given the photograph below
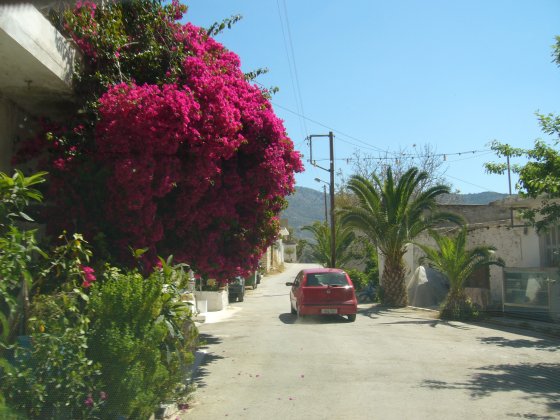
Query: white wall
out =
(290, 253)
(278, 250)
(518, 247)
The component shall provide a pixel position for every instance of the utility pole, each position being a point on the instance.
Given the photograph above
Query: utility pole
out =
(325, 196)
(509, 183)
(331, 187)
(331, 170)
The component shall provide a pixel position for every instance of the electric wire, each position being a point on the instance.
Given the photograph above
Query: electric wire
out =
(334, 130)
(396, 155)
(467, 182)
(475, 154)
(288, 26)
(483, 153)
(289, 60)
(293, 69)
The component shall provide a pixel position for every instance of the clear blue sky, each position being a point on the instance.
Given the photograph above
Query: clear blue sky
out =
(384, 75)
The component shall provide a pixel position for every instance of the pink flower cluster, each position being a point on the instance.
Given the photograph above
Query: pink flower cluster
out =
(88, 275)
(90, 402)
(197, 166)
(84, 13)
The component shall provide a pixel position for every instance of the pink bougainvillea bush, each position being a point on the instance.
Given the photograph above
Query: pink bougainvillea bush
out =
(171, 149)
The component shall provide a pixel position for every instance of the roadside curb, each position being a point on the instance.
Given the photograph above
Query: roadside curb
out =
(216, 316)
(200, 319)
(417, 308)
(542, 327)
(526, 324)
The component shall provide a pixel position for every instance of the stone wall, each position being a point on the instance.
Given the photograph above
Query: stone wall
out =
(477, 213)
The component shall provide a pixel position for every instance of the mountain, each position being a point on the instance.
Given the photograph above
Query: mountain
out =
(307, 205)
(477, 198)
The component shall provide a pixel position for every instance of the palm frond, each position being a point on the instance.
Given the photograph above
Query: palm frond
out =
(321, 248)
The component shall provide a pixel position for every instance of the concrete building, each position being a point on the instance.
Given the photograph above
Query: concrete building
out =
(273, 258)
(531, 258)
(36, 67)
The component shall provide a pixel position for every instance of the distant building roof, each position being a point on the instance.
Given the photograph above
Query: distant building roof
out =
(516, 202)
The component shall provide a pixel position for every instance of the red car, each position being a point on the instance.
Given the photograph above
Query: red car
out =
(323, 291)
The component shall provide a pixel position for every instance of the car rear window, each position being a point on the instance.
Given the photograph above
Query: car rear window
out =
(326, 279)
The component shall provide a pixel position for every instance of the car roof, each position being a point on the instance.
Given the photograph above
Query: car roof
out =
(322, 270)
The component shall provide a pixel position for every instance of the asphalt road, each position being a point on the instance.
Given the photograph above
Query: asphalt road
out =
(261, 362)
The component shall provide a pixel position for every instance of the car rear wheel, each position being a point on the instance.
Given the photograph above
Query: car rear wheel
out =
(351, 317)
(292, 310)
(240, 298)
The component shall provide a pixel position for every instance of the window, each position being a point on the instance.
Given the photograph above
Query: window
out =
(326, 279)
(298, 279)
(550, 246)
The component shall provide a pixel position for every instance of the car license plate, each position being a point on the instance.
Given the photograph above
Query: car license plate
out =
(329, 311)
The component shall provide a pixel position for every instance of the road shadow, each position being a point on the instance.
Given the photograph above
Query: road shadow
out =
(529, 328)
(289, 318)
(373, 311)
(407, 316)
(377, 310)
(538, 343)
(430, 322)
(538, 380)
(203, 358)
(206, 340)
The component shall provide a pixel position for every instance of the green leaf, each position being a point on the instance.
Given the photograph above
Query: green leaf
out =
(137, 253)
(8, 368)
(5, 327)
(25, 216)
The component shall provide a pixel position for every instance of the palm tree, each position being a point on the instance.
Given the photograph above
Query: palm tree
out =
(391, 214)
(458, 263)
(321, 249)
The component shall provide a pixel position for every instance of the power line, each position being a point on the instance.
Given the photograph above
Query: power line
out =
(396, 155)
(367, 145)
(467, 182)
(292, 65)
(373, 148)
(295, 64)
(475, 153)
(377, 149)
(483, 153)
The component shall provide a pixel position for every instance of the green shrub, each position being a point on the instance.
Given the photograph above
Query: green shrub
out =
(359, 278)
(133, 339)
(18, 252)
(129, 358)
(6, 413)
(50, 375)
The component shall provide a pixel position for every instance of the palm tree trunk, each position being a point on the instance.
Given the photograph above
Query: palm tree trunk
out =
(458, 306)
(394, 289)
